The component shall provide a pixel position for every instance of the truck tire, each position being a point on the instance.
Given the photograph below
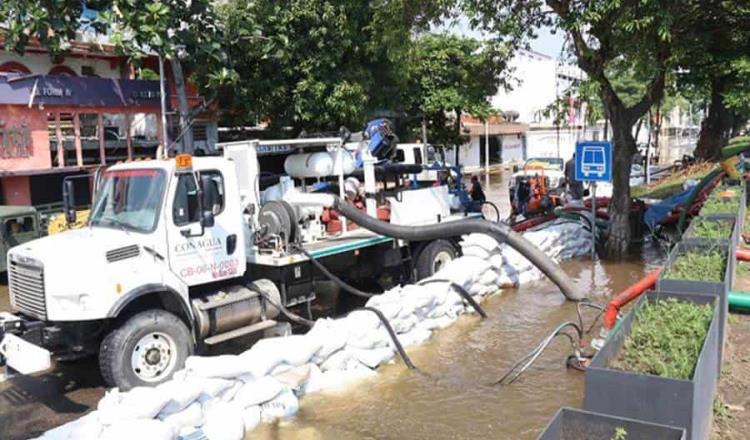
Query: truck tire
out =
(433, 256)
(147, 349)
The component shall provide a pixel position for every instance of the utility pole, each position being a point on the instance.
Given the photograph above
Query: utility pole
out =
(163, 96)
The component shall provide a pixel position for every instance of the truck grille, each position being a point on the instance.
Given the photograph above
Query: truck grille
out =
(26, 284)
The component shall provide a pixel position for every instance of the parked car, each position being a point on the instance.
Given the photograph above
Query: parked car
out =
(18, 224)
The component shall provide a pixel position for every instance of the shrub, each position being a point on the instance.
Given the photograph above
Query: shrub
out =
(666, 339)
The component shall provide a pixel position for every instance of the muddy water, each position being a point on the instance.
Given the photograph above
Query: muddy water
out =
(448, 399)
(451, 397)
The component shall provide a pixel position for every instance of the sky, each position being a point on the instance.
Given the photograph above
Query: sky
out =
(546, 43)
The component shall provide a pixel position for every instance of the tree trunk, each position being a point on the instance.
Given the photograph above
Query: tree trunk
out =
(185, 130)
(619, 206)
(716, 126)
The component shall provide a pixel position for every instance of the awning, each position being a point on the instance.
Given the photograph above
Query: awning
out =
(77, 91)
(502, 128)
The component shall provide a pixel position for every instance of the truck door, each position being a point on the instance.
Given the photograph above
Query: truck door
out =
(201, 255)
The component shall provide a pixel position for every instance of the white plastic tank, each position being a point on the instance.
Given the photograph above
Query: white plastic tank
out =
(320, 164)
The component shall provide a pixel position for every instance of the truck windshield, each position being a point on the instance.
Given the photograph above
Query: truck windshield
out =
(129, 199)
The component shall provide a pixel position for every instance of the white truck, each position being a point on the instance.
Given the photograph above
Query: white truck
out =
(184, 253)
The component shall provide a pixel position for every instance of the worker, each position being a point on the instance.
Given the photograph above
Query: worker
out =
(575, 187)
(523, 193)
(477, 194)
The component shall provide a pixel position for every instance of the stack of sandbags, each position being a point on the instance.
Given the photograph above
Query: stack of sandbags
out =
(226, 396)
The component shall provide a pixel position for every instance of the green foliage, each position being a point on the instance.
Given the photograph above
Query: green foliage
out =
(673, 184)
(710, 228)
(665, 339)
(722, 200)
(451, 74)
(620, 434)
(699, 265)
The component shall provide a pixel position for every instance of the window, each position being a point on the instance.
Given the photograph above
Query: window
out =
(185, 208)
(144, 137)
(115, 137)
(129, 199)
(418, 156)
(90, 137)
(400, 156)
(19, 225)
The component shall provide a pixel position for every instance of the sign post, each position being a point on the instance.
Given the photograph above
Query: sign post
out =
(593, 164)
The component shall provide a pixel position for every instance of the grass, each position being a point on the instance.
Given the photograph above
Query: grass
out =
(723, 200)
(665, 339)
(672, 184)
(710, 228)
(701, 265)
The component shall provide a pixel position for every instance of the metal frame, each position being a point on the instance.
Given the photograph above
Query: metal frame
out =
(570, 423)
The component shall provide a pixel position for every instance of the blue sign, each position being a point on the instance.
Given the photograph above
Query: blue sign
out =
(594, 161)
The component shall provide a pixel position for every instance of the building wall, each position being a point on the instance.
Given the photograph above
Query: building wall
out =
(24, 140)
(41, 63)
(512, 148)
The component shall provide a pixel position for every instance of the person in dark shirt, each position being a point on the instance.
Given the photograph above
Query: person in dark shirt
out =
(575, 187)
(523, 192)
(477, 194)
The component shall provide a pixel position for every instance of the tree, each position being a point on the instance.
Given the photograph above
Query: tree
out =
(711, 67)
(642, 35)
(325, 64)
(450, 75)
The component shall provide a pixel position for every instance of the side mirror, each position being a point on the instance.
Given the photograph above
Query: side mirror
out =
(209, 197)
(3, 230)
(69, 201)
(515, 168)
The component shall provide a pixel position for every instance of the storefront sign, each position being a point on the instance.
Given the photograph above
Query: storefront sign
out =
(15, 141)
(54, 92)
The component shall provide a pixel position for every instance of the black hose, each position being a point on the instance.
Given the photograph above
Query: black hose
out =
(392, 334)
(330, 275)
(461, 291)
(500, 232)
(284, 311)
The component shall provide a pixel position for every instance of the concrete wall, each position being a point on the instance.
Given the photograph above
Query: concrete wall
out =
(512, 148)
(33, 122)
(42, 64)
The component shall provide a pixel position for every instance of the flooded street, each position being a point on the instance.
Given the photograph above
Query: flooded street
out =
(450, 397)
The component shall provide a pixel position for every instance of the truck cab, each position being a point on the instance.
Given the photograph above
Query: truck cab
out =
(18, 224)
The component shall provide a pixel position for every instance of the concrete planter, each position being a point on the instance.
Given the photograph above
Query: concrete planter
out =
(684, 404)
(720, 290)
(733, 238)
(576, 424)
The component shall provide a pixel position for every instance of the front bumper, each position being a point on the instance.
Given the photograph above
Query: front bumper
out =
(21, 344)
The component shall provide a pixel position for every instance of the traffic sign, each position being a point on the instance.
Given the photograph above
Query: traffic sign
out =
(594, 161)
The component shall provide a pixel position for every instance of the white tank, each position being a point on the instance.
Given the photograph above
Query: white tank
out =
(321, 164)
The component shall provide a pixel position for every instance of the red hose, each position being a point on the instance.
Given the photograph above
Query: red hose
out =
(530, 223)
(743, 255)
(627, 295)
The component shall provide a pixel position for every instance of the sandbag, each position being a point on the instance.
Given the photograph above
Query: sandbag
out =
(403, 325)
(223, 421)
(226, 366)
(330, 334)
(484, 241)
(373, 357)
(294, 350)
(341, 360)
(295, 377)
(475, 251)
(139, 429)
(228, 394)
(251, 417)
(257, 392)
(371, 339)
(181, 394)
(415, 336)
(138, 403)
(284, 405)
(497, 261)
(87, 427)
(190, 416)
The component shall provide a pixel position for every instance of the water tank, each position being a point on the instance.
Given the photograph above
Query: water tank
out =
(321, 164)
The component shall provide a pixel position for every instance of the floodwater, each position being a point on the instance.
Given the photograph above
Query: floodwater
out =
(450, 397)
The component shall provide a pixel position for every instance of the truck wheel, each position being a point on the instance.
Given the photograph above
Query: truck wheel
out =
(145, 350)
(433, 257)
